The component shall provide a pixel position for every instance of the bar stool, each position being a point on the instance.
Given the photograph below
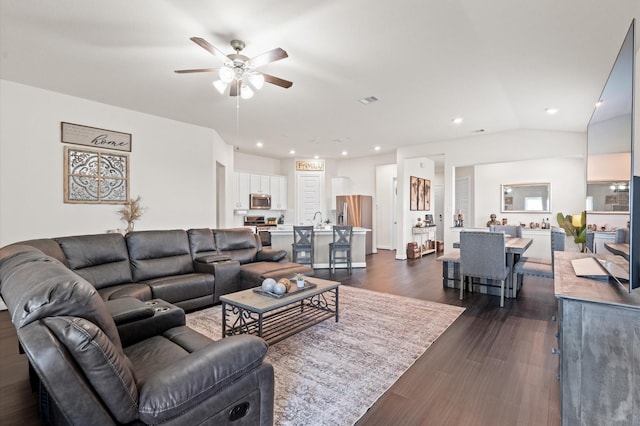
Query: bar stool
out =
(340, 248)
(302, 247)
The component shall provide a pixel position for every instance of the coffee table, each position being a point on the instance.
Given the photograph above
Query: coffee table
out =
(275, 319)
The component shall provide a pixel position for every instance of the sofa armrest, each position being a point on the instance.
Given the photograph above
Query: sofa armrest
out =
(128, 309)
(165, 316)
(271, 255)
(226, 274)
(194, 378)
(212, 258)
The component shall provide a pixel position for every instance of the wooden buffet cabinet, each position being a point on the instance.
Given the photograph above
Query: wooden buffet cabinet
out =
(598, 347)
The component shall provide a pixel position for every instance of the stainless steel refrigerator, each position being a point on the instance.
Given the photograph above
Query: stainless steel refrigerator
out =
(357, 211)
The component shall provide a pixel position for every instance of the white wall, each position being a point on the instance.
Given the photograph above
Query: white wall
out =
(172, 167)
(566, 195)
(256, 164)
(421, 167)
(485, 149)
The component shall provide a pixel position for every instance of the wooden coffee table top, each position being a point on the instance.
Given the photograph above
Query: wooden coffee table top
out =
(252, 301)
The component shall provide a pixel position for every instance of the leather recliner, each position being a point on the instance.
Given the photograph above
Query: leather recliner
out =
(174, 377)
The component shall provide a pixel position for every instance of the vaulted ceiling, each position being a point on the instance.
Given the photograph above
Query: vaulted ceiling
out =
(496, 63)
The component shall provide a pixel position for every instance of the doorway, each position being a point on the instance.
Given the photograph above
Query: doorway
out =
(221, 195)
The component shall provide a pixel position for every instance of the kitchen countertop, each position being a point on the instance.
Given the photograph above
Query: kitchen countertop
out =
(288, 229)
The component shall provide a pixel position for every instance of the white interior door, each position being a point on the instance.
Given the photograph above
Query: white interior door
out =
(310, 196)
(438, 210)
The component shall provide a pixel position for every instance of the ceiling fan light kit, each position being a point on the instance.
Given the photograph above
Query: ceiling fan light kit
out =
(238, 71)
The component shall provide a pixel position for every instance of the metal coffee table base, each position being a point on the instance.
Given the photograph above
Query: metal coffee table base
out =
(276, 324)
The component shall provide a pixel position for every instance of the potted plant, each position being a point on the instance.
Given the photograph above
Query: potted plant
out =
(299, 280)
(576, 227)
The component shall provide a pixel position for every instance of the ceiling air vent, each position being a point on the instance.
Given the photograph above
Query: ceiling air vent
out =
(368, 100)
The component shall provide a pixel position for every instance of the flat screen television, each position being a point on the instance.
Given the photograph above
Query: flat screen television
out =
(611, 133)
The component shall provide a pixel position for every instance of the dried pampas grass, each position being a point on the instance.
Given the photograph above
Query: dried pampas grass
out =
(131, 212)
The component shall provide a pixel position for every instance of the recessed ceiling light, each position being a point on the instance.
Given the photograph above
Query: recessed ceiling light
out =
(344, 153)
(551, 111)
(599, 103)
(292, 151)
(315, 157)
(457, 120)
(259, 144)
(376, 148)
(368, 100)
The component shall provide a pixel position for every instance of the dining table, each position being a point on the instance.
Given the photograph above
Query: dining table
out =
(621, 249)
(513, 246)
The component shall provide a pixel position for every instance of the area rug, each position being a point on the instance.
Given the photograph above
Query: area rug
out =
(332, 373)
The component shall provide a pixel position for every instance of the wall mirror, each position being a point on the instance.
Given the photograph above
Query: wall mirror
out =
(608, 196)
(526, 197)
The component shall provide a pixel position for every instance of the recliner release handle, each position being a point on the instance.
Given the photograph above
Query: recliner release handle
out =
(239, 411)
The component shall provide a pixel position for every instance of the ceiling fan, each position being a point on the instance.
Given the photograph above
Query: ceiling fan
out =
(238, 71)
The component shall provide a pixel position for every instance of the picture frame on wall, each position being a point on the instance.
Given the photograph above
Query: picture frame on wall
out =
(95, 137)
(420, 194)
(95, 177)
(427, 194)
(413, 193)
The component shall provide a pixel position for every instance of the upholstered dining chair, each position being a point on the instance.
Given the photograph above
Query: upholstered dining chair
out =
(590, 239)
(540, 267)
(302, 247)
(510, 230)
(340, 248)
(483, 255)
(622, 236)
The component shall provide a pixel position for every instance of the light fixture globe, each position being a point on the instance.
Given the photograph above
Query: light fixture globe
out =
(226, 74)
(246, 92)
(220, 86)
(257, 80)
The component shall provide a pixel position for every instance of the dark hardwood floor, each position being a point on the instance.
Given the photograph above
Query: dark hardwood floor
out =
(493, 366)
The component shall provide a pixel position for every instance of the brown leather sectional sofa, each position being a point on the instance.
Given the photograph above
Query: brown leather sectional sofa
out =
(190, 269)
(102, 320)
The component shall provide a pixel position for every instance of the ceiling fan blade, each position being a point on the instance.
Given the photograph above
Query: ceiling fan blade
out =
(277, 81)
(211, 49)
(235, 88)
(267, 57)
(197, 70)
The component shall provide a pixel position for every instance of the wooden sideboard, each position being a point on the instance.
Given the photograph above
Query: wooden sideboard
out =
(598, 347)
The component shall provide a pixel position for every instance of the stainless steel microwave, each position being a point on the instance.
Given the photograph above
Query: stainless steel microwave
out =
(259, 201)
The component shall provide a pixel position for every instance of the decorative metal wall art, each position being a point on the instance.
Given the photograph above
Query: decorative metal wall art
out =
(94, 177)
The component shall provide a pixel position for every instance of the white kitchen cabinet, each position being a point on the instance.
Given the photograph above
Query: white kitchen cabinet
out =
(242, 187)
(278, 185)
(259, 184)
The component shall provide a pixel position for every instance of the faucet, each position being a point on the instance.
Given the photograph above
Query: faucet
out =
(316, 214)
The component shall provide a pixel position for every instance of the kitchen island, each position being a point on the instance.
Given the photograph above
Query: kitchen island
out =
(282, 238)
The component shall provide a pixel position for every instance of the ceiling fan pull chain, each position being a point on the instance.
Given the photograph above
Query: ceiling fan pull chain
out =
(238, 112)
